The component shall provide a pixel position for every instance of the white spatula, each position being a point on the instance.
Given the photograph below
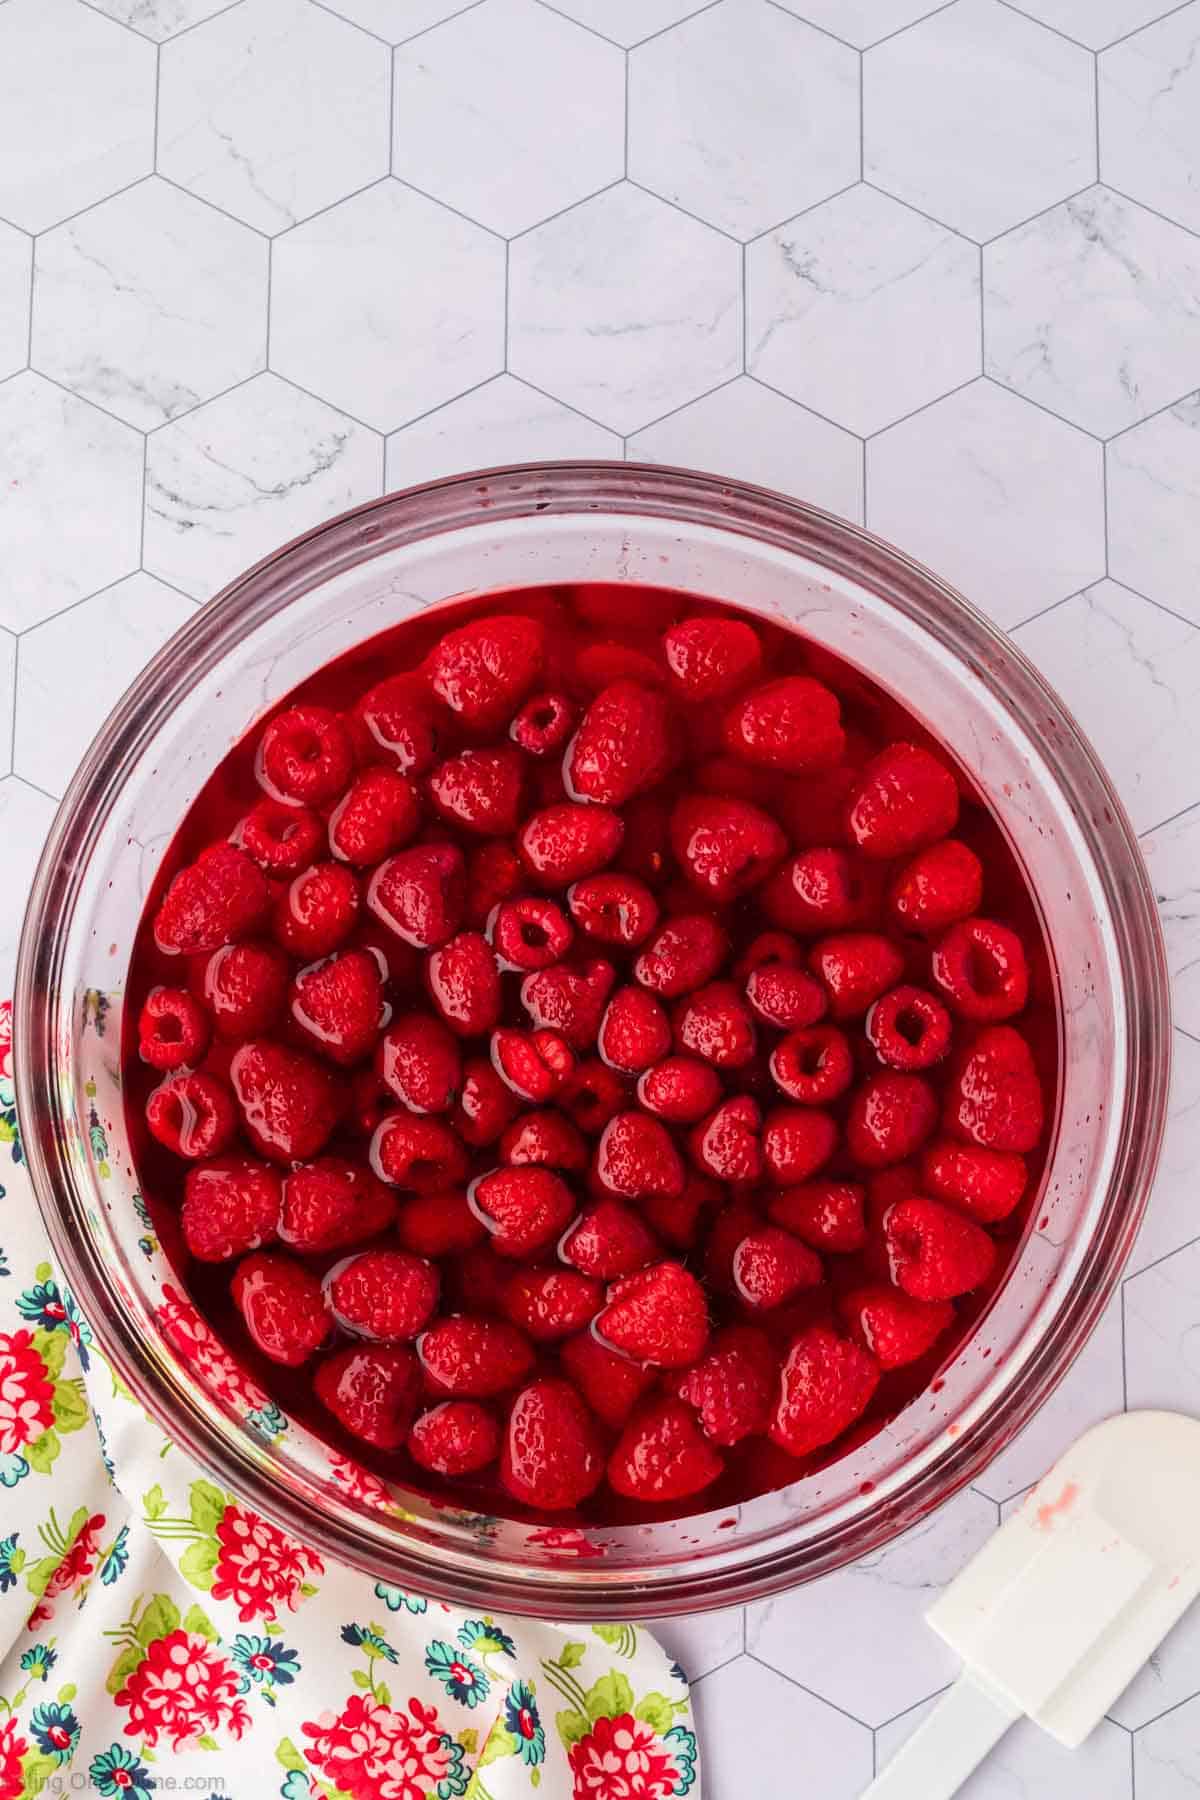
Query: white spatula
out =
(1060, 1609)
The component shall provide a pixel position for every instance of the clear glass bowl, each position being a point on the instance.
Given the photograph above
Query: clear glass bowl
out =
(615, 523)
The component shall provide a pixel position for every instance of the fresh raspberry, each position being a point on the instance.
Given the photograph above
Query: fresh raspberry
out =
(494, 873)
(533, 1063)
(474, 1359)
(855, 967)
(370, 1102)
(938, 886)
(486, 1104)
(418, 1058)
(220, 897)
(317, 911)
(796, 1142)
(608, 1381)
(397, 720)
(624, 745)
(281, 839)
(192, 1113)
(378, 813)
(657, 1315)
(330, 1204)
(813, 1067)
(243, 986)
(683, 954)
(887, 1189)
(732, 1387)
(890, 1117)
(610, 1239)
(995, 1097)
(634, 1032)
(905, 799)
(662, 1454)
(591, 1095)
(676, 1218)
(820, 890)
(524, 1209)
(459, 1437)
(543, 725)
(828, 1215)
(781, 993)
(728, 1144)
(372, 1391)
(423, 1155)
(420, 893)
(724, 847)
(389, 1295)
(552, 1303)
(715, 1024)
(480, 790)
(530, 933)
(826, 1383)
(230, 1205)
(282, 1306)
(679, 1089)
(636, 1156)
(565, 842)
(463, 982)
(338, 1005)
(731, 1224)
(895, 1328)
(304, 754)
(770, 1266)
(793, 724)
(439, 1224)
(615, 909)
(545, 1139)
(552, 1456)
(569, 1000)
(173, 1029)
(909, 1029)
(936, 1254)
(980, 967)
(709, 659)
(484, 670)
(985, 1184)
(289, 1104)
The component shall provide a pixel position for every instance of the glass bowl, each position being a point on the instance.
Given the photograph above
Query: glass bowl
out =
(557, 523)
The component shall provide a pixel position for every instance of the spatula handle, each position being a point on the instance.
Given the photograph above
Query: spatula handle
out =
(944, 1749)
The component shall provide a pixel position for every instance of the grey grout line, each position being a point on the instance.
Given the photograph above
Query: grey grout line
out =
(571, 206)
(142, 501)
(789, 10)
(1168, 406)
(696, 218)
(745, 309)
(793, 218)
(354, 24)
(1170, 819)
(1147, 26)
(438, 23)
(16, 702)
(862, 116)
(507, 297)
(805, 407)
(1042, 211)
(1096, 111)
(1041, 406)
(1158, 605)
(1158, 1260)
(924, 407)
(580, 24)
(900, 30)
(824, 1700)
(1104, 503)
(1124, 1359)
(1144, 206)
(57, 224)
(1044, 25)
(591, 419)
(674, 411)
(157, 97)
(628, 83)
(1042, 611)
(393, 74)
(1190, 1035)
(32, 283)
(676, 23)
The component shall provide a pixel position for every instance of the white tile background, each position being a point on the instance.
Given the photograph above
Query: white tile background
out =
(935, 266)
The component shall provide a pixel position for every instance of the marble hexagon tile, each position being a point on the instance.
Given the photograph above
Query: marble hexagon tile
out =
(1173, 858)
(1154, 507)
(760, 1730)
(503, 421)
(1150, 116)
(1095, 23)
(1171, 1219)
(25, 817)
(8, 679)
(628, 22)
(16, 272)
(862, 22)
(397, 20)
(160, 19)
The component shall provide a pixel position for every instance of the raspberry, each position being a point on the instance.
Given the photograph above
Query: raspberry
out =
(735, 780)
(486, 1104)
(421, 1154)
(282, 1306)
(936, 1254)
(634, 1032)
(543, 724)
(895, 1328)
(793, 724)
(608, 1381)
(724, 847)
(552, 1303)
(494, 873)
(219, 898)
(545, 1139)
(855, 968)
(909, 1029)
(330, 1204)
(398, 719)
(657, 1315)
(904, 799)
(420, 893)
(710, 658)
(679, 1089)
(317, 911)
(677, 1217)
(281, 839)
(230, 1205)
(636, 1156)
(615, 909)
(828, 1215)
(728, 1144)
(662, 1454)
(480, 790)
(464, 983)
(980, 967)
(484, 670)
(378, 813)
(289, 1104)
(418, 1058)
(192, 1113)
(890, 1116)
(819, 890)
(623, 746)
(715, 1024)
(783, 995)
(439, 1224)
(826, 1383)
(304, 754)
(173, 1029)
(938, 886)
(372, 1391)
(609, 1240)
(770, 1266)
(985, 1184)
(552, 1456)
(995, 1097)
(731, 1225)
(244, 987)
(814, 1067)
(338, 1005)
(524, 1209)
(474, 1359)
(529, 933)
(733, 1385)
(388, 1295)
(563, 843)
(683, 954)
(459, 1437)
(796, 1141)
(533, 1063)
(592, 1094)
(370, 1102)
(570, 1001)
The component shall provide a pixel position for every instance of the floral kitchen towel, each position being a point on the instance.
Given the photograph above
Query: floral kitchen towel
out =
(155, 1634)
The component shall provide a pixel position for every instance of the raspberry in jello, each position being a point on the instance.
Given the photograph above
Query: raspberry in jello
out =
(590, 1053)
